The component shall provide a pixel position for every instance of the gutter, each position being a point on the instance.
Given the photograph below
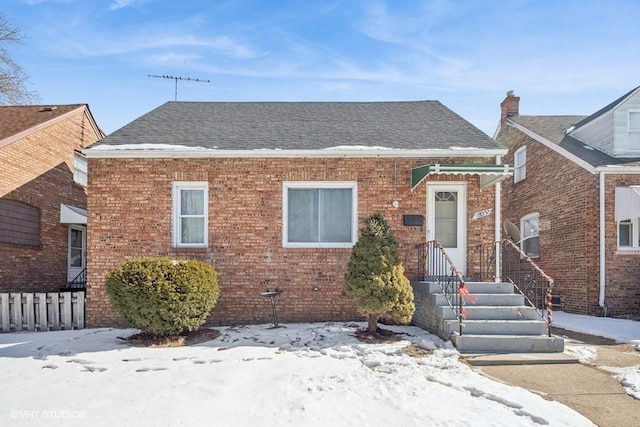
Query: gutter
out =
(194, 153)
(498, 223)
(603, 282)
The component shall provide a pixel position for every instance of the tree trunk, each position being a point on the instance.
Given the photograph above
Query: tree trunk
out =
(373, 324)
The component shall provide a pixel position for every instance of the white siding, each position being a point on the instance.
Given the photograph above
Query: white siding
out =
(598, 133)
(609, 132)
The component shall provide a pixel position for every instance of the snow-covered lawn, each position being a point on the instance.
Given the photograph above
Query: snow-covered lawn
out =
(300, 374)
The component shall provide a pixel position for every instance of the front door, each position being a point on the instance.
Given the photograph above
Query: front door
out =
(446, 221)
(77, 255)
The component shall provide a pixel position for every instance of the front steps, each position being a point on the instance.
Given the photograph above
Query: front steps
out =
(497, 322)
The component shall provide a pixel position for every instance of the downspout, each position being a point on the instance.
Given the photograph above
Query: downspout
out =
(497, 224)
(601, 301)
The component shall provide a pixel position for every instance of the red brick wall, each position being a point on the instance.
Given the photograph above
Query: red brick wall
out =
(622, 272)
(567, 198)
(130, 216)
(38, 170)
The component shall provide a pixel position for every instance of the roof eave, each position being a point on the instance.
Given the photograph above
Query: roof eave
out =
(33, 129)
(96, 153)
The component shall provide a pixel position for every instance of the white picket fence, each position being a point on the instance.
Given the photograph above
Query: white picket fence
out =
(41, 311)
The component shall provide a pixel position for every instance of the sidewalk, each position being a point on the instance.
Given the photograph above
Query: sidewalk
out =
(586, 388)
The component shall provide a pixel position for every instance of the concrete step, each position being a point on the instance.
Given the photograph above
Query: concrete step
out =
(473, 287)
(498, 327)
(507, 343)
(483, 299)
(490, 313)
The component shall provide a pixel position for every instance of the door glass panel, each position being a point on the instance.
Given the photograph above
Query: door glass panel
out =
(446, 218)
(76, 249)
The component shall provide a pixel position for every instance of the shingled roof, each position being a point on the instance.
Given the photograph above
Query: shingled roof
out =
(302, 126)
(17, 119)
(553, 129)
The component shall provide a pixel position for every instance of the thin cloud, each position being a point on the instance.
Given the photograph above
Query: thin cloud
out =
(121, 4)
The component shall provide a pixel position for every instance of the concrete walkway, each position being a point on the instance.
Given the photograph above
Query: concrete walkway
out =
(584, 387)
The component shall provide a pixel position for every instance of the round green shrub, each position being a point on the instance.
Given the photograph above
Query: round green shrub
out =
(162, 296)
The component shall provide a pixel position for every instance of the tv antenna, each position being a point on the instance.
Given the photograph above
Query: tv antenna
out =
(176, 80)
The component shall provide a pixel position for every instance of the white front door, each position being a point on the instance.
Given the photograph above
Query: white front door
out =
(446, 221)
(77, 254)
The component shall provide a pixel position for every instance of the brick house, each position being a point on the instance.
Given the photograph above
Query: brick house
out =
(574, 201)
(273, 195)
(43, 195)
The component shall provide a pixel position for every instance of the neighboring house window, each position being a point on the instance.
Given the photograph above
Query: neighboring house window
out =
(319, 214)
(530, 240)
(80, 169)
(520, 164)
(190, 214)
(626, 231)
(19, 223)
(626, 215)
(634, 130)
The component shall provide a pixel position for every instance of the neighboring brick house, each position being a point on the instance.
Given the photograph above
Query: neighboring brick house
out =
(575, 201)
(43, 195)
(273, 195)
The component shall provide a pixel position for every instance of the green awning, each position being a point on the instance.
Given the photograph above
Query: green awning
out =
(489, 174)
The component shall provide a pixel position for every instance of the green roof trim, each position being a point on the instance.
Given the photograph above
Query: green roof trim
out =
(489, 174)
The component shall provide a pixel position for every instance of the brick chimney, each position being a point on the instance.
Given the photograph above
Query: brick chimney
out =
(509, 107)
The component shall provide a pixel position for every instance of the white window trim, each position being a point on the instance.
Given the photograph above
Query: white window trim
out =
(635, 235)
(523, 237)
(517, 168)
(175, 226)
(630, 130)
(286, 185)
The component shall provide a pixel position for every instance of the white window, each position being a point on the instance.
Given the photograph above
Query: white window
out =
(629, 234)
(626, 215)
(530, 240)
(190, 214)
(80, 169)
(520, 164)
(319, 214)
(634, 130)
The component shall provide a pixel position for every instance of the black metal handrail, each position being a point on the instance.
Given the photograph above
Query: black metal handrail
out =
(435, 265)
(79, 282)
(527, 277)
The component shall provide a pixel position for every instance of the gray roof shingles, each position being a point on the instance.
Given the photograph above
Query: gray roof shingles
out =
(302, 125)
(553, 128)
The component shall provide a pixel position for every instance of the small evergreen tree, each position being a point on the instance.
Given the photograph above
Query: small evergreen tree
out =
(375, 276)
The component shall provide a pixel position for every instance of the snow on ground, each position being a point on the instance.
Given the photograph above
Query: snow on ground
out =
(315, 374)
(619, 330)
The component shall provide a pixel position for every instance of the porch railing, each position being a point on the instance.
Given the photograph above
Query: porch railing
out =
(435, 265)
(79, 283)
(519, 269)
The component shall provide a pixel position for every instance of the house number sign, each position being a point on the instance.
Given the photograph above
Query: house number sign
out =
(482, 213)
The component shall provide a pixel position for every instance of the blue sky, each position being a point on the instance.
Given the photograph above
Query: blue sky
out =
(560, 57)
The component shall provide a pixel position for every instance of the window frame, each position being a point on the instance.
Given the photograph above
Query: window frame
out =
(633, 130)
(520, 168)
(79, 171)
(310, 185)
(634, 235)
(524, 238)
(177, 187)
